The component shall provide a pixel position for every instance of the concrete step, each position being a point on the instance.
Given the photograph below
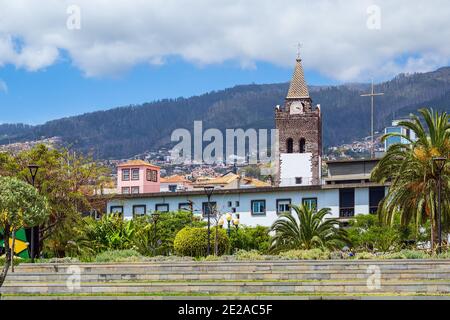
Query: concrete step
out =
(236, 275)
(242, 287)
(226, 267)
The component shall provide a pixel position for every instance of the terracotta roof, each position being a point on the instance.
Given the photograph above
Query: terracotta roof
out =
(174, 179)
(298, 88)
(137, 163)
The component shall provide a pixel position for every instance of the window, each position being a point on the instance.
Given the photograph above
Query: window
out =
(134, 174)
(185, 206)
(152, 175)
(172, 187)
(125, 174)
(233, 210)
(236, 204)
(310, 203)
(258, 207)
(298, 180)
(230, 204)
(162, 207)
(289, 145)
(206, 208)
(376, 194)
(139, 210)
(346, 202)
(283, 206)
(125, 190)
(302, 145)
(116, 209)
(134, 190)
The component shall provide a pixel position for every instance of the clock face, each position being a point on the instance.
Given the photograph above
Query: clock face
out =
(296, 107)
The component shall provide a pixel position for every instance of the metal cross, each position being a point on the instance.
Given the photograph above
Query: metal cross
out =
(371, 95)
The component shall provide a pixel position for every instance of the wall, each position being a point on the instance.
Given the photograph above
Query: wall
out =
(294, 165)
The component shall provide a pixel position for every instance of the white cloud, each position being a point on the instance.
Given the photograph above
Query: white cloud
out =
(116, 35)
(3, 86)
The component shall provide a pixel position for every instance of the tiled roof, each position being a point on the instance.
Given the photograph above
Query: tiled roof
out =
(174, 179)
(298, 88)
(136, 163)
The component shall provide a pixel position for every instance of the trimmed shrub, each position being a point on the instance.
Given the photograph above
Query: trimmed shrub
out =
(119, 256)
(312, 254)
(365, 255)
(407, 254)
(251, 255)
(193, 242)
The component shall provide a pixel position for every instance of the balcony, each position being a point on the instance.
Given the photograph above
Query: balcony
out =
(346, 212)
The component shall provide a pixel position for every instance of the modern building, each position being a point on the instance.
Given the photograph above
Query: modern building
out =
(346, 190)
(396, 128)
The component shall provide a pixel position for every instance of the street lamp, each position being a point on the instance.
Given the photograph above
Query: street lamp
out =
(440, 163)
(236, 223)
(155, 217)
(33, 168)
(209, 191)
(228, 216)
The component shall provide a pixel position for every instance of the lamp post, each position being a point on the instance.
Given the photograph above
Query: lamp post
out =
(228, 216)
(216, 242)
(209, 191)
(440, 163)
(236, 223)
(33, 168)
(155, 217)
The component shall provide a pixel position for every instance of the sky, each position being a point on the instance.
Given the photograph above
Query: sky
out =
(60, 58)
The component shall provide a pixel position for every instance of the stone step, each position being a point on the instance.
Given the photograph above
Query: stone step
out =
(237, 275)
(294, 287)
(284, 266)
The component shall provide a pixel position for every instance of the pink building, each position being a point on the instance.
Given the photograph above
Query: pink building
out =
(137, 176)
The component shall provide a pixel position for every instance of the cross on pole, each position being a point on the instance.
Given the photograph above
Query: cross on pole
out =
(371, 95)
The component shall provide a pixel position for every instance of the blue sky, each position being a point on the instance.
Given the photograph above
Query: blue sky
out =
(62, 90)
(66, 57)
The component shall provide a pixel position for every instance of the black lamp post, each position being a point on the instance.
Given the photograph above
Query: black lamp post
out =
(33, 168)
(228, 216)
(155, 217)
(440, 163)
(209, 191)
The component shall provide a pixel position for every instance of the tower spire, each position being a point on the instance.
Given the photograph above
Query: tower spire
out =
(298, 88)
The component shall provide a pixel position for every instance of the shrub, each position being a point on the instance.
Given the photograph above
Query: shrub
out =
(250, 238)
(193, 242)
(407, 254)
(363, 255)
(312, 254)
(252, 255)
(119, 256)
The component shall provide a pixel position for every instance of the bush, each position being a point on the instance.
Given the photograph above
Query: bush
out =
(365, 255)
(251, 255)
(312, 254)
(193, 242)
(119, 256)
(407, 254)
(250, 238)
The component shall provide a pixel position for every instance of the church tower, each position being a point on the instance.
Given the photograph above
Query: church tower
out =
(299, 127)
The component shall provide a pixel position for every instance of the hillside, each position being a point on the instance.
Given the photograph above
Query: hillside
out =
(126, 131)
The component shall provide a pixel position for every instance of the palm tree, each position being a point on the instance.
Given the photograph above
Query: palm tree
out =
(307, 230)
(413, 174)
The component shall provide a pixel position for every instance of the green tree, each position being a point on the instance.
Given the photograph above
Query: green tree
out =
(368, 234)
(20, 206)
(307, 230)
(250, 238)
(68, 181)
(413, 174)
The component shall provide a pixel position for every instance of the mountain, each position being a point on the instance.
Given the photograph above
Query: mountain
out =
(126, 131)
